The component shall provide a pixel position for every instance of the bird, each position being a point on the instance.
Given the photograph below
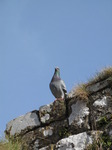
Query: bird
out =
(57, 86)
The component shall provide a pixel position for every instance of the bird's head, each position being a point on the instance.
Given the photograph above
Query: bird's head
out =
(57, 71)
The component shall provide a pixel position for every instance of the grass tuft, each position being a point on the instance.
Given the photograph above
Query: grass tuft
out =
(81, 91)
(100, 76)
(9, 145)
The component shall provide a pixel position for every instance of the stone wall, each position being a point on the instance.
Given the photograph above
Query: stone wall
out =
(73, 124)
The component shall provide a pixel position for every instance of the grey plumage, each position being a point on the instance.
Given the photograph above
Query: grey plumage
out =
(57, 86)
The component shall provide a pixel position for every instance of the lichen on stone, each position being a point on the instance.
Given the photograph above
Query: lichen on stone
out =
(79, 111)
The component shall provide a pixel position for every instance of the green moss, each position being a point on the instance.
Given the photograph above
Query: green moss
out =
(63, 132)
(102, 122)
(103, 142)
(106, 141)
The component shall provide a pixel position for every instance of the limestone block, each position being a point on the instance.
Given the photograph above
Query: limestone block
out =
(101, 110)
(43, 136)
(78, 115)
(52, 112)
(76, 142)
(99, 86)
(101, 102)
(23, 123)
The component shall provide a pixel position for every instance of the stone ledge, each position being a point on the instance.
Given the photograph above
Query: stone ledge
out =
(52, 112)
(23, 124)
(99, 86)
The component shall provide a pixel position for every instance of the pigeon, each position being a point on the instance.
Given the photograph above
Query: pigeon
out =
(57, 86)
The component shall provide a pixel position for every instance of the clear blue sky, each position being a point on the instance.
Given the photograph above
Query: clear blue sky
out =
(36, 36)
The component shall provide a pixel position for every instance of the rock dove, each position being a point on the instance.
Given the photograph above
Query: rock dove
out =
(57, 86)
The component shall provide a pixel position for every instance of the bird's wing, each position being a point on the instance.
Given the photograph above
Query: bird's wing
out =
(63, 86)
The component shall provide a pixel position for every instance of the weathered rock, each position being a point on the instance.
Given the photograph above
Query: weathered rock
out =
(76, 142)
(45, 135)
(101, 111)
(78, 115)
(99, 86)
(52, 112)
(23, 123)
(79, 141)
(100, 102)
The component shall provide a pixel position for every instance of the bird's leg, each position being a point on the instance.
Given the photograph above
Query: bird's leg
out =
(59, 99)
